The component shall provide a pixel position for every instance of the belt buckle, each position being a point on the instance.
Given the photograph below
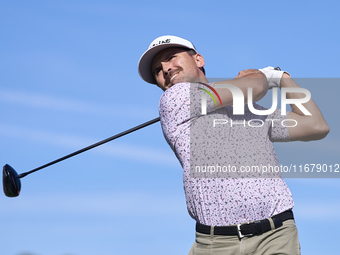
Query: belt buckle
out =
(240, 235)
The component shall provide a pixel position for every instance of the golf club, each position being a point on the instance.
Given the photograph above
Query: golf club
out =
(11, 179)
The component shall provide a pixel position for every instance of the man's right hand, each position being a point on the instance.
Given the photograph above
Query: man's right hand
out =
(247, 72)
(249, 78)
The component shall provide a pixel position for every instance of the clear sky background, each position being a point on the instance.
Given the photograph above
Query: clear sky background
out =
(69, 78)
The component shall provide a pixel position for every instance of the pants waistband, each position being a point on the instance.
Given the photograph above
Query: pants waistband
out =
(247, 229)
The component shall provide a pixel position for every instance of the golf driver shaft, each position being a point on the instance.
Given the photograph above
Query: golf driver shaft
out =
(91, 146)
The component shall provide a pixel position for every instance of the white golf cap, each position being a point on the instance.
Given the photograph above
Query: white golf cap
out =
(159, 44)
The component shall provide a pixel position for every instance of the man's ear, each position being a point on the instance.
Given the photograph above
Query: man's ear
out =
(199, 60)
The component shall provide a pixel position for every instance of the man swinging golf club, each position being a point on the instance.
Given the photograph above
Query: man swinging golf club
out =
(233, 215)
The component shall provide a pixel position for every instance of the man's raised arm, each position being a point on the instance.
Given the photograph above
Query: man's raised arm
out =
(250, 78)
(309, 127)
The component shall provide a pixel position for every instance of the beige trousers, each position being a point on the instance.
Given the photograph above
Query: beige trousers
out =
(281, 241)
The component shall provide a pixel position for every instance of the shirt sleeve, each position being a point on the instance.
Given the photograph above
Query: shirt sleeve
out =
(278, 131)
(170, 105)
(178, 107)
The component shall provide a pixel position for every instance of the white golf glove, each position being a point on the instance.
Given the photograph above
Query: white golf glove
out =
(273, 75)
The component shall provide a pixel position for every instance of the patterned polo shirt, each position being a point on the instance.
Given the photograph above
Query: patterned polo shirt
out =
(218, 140)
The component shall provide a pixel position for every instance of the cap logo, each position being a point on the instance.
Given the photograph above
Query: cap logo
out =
(160, 42)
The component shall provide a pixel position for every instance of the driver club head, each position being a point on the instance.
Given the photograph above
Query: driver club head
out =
(11, 181)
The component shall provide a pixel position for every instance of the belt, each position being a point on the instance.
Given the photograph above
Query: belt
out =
(249, 228)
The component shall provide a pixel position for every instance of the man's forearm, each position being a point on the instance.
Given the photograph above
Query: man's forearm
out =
(250, 78)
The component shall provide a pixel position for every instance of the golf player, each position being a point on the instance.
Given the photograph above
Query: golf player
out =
(233, 215)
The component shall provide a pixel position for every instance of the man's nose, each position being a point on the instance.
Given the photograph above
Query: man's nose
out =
(166, 68)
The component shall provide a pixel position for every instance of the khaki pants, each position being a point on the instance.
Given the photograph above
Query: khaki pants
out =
(281, 241)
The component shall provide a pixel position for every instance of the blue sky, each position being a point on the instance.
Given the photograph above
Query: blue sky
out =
(69, 78)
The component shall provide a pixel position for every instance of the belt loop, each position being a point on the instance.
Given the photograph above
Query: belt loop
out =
(212, 231)
(272, 226)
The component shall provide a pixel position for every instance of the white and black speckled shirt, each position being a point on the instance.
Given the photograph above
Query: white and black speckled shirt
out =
(221, 201)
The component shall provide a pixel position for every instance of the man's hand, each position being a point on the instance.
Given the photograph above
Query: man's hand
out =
(248, 72)
(250, 78)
